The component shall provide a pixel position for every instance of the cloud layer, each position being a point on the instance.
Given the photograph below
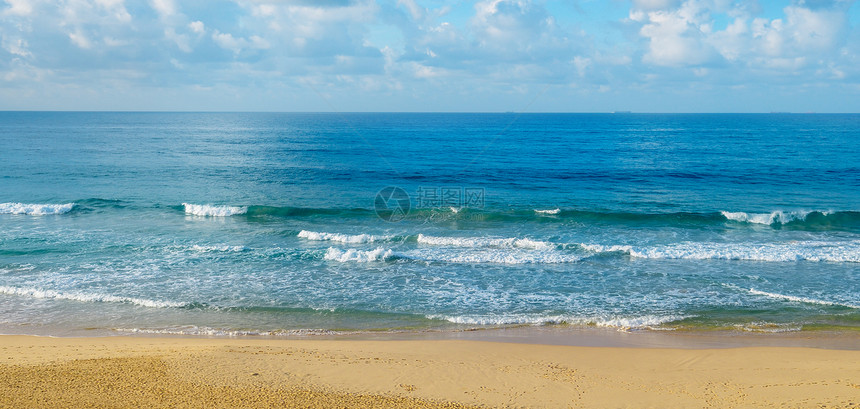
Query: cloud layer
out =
(490, 55)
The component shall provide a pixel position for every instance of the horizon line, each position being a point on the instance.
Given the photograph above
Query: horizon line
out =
(616, 112)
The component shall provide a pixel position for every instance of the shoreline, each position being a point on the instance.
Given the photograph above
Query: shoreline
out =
(576, 336)
(240, 372)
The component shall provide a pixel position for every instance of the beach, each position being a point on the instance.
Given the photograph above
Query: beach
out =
(247, 372)
(429, 204)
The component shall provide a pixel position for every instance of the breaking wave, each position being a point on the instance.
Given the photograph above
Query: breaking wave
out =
(35, 209)
(87, 297)
(776, 217)
(214, 211)
(619, 322)
(805, 300)
(343, 238)
(361, 256)
(485, 242)
(848, 252)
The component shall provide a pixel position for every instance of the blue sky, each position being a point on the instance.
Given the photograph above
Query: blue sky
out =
(439, 55)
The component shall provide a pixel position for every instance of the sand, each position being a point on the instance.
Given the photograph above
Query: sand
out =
(219, 373)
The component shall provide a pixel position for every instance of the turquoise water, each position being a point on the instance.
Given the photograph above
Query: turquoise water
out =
(212, 223)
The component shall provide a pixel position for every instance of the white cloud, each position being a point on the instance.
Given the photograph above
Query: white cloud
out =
(237, 45)
(180, 40)
(117, 7)
(17, 47)
(415, 10)
(514, 26)
(684, 36)
(654, 4)
(19, 7)
(405, 49)
(677, 37)
(23, 73)
(197, 27)
(581, 64)
(813, 30)
(113, 42)
(164, 8)
(732, 43)
(425, 72)
(307, 28)
(80, 39)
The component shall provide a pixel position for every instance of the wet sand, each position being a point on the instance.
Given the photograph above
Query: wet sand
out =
(215, 373)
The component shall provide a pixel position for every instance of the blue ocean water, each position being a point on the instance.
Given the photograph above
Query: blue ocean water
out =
(258, 223)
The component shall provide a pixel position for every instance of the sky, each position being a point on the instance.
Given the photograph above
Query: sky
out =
(431, 55)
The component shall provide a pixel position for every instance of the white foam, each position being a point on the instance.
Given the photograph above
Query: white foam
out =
(619, 322)
(507, 319)
(800, 299)
(360, 256)
(86, 297)
(599, 248)
(220, 332)
(217, 332)
(225, 248)
(550, 211)
(846, 252)
(455, 210)
(343, 238)
(769, 327)
(210, 210)
(775, 217)
(635, 322)
(497, 256)
(485, 242)
(35, 209)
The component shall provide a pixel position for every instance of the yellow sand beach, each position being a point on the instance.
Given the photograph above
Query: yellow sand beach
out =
(216, 373)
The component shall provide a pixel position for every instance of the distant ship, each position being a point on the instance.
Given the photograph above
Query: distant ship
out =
(622, 112)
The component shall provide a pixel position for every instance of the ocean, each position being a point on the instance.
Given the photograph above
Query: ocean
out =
(323, 223)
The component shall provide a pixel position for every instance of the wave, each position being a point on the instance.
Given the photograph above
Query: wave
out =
(222, 248)
(445, 255)
(222, 332)
(776, 217)
(492, 256)
(769, 327)
(35, 209)
(343, 238)
(529, 251)
(618, 322)
(361, 256)
(446, 249)
(843, 252)
(88, 297)
(216, 211)
(287, 211)
(602, 249)
(484, 242)
(802, 219)
(801, 299)
(98, 203)
(815, 220)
